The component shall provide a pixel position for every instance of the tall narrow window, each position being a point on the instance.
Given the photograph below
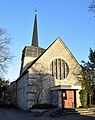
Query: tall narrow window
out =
(56, 69)
(64, 69)
(52, 68)
(60, 70)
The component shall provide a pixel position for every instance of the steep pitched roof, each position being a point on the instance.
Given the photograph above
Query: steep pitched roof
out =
(26, 71)
(49, 48)
(35, 32)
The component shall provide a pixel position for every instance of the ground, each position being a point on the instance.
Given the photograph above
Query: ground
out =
(18, 114)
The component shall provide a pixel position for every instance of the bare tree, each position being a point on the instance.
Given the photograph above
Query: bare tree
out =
(5, 54)
(92, 6)
(41, 83)
(40, 87)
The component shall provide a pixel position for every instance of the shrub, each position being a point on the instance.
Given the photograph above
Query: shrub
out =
(83, 97)
(43, 106)
(92, 106)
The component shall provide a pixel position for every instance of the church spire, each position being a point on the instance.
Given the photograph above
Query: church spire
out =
(35, 32)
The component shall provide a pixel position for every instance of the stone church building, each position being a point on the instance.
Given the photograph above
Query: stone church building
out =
(47, 75)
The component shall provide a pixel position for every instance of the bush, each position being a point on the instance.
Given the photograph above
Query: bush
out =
(91, 106)
(83, 98)
(43, 106)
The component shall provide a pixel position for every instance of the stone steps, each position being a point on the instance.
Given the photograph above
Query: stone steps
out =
(61, 112)
(86, 111)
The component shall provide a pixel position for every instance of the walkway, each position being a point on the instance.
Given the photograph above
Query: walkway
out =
(18, 114)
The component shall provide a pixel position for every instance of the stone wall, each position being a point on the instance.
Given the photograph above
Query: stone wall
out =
(12, 90)
(78, 103)
(58, 50)
(54, 98)
(34, 86)
(29, 54)
(60, 99)
(22, 92)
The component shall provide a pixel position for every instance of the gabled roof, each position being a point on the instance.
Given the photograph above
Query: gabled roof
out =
(26, 71)
(47, 50)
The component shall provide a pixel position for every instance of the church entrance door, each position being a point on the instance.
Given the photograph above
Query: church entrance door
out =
(68, 98)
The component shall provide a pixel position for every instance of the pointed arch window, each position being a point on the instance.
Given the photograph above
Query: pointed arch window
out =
(59, 69)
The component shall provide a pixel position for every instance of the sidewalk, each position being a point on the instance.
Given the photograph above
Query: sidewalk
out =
(18, 114)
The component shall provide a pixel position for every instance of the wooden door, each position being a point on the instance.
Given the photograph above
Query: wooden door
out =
(69, 99)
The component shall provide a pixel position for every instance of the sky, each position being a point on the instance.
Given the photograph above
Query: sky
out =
(67, 19)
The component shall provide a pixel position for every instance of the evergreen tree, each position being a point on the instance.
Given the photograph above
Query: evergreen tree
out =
(3, 85)
(88, 75)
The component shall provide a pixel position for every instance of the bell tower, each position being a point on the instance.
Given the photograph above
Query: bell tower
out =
(30, 53)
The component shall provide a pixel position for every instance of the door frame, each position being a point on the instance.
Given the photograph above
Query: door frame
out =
(64, 97)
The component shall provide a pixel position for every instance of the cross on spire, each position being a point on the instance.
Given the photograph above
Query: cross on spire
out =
(36, 10)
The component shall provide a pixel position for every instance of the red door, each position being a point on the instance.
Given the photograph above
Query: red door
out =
(68, 101)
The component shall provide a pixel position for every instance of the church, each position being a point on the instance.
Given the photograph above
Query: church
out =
(47, 75)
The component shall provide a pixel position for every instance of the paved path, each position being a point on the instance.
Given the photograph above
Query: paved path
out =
(17, 114)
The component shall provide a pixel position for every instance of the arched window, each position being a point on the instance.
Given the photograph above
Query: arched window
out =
(59, 69)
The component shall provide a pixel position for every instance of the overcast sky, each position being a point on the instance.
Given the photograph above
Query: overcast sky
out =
(67, 19)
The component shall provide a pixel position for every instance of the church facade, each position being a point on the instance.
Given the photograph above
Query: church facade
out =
(47, 75)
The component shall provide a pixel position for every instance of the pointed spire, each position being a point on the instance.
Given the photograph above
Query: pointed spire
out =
(35, 32)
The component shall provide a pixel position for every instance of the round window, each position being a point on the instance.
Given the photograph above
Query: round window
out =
(59, 69)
